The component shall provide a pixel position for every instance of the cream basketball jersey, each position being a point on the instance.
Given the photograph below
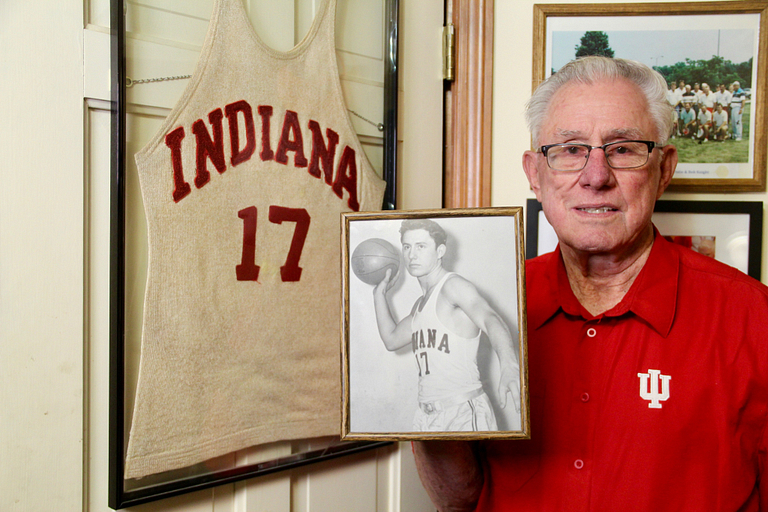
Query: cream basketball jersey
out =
(243, 188)
(447, 362)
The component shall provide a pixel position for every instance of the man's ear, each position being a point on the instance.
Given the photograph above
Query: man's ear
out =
(441, 250)
(668, 165)
(530, 159)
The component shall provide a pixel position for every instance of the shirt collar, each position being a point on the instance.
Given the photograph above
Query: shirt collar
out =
(652, 297)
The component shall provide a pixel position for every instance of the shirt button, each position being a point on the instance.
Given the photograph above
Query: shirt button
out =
(591, 332)
(578, 463)
(585, 397)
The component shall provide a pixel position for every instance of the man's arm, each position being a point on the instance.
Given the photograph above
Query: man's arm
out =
(450, 472)
(395, 335)
(464, 295)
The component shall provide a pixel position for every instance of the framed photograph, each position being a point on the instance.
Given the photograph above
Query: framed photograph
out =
(434, 338)
(709, 53)
(154, 50)
(729, 231)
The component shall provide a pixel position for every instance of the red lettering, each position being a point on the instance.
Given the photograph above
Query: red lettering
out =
(181, 188)
(346, 178)
(291, 271)
(247, 270)
(265, 111)
(322, 153)
(288, 143)
(241, 155)
(208, 147)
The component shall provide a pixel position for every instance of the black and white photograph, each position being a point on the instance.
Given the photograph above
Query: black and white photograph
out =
(711, 64)
(434, 340)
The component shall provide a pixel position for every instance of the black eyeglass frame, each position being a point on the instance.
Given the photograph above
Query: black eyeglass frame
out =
(651, 144)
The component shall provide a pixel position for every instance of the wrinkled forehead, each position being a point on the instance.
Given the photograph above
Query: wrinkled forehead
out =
(611, 109)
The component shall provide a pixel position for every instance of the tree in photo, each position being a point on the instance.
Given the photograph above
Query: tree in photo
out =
(594, 42)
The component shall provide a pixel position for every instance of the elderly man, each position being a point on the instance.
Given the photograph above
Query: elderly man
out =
(707, 98)
(648, 362)
(738, 97)
(720, 123)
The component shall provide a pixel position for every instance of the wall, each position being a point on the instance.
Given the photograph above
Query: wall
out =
(512, 77)
(41, 256)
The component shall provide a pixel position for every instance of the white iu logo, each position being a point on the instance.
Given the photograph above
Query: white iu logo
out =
(654, 394)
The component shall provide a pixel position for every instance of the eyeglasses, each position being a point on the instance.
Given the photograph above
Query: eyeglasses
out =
(623, 154)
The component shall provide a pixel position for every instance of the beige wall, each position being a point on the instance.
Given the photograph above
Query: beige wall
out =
(41, 256)
(512, 77)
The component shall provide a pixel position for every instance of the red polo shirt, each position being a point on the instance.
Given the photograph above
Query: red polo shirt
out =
(659, 404)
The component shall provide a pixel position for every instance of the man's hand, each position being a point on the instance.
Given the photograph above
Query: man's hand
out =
(385, 284)
(451, 473)
(509, 382)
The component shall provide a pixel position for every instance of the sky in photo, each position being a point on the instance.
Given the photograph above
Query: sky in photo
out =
(662, 47)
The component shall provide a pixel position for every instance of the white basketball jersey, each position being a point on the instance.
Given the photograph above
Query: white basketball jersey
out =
(243, 189)
(447, 362)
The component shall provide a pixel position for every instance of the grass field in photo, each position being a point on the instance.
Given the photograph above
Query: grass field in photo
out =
(715, 152)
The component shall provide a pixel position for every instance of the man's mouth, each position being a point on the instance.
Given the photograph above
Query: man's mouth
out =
(600, 209)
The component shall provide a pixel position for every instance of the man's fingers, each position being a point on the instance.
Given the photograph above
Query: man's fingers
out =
(384, 283)
(503, 396)
(389, 276)
(512, 389)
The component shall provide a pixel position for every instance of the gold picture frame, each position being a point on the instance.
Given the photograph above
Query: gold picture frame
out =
(383, 391)
(703, 172)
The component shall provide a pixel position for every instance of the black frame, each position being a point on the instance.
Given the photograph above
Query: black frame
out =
(752, 208)
(119, 497)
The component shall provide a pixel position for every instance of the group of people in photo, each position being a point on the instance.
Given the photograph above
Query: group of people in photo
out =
(704, 114)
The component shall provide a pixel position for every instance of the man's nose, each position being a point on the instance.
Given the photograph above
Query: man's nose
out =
(597, 173)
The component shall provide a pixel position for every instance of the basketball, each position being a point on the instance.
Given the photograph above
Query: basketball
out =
(371, 259)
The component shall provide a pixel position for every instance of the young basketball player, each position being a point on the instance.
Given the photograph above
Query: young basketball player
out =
(444, 329)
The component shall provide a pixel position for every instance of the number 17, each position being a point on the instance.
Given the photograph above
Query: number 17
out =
(247, 270)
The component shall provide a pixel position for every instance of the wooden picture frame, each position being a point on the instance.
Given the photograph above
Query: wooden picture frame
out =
(380, 391)
(731, 166)
(734, 229)
(240, 465)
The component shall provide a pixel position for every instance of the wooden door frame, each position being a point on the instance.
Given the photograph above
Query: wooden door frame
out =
(468, 104)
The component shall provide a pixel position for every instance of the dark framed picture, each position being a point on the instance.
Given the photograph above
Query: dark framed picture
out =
(729, 231)
(710, 53)
(434, 339)
(154, 52)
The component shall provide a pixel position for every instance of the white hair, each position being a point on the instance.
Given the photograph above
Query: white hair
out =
(588, 70)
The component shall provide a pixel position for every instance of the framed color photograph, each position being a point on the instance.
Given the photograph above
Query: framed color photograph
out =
(434, 339)
(729, 231)
(708, 52)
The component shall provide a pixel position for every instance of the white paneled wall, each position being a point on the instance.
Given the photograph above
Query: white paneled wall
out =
(41, 256)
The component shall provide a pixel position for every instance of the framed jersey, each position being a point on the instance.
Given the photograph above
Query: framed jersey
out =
(230, 170)
(434, 337)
